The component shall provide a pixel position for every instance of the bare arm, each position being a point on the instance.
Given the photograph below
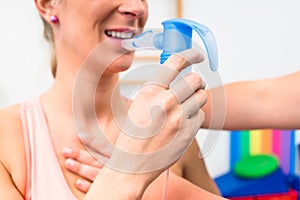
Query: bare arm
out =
(270, 103)
(12, 160)
(181, 189)
(195, 171)
(8, 189)
(191, 167)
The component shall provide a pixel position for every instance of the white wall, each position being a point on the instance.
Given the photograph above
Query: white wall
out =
(24, 70)
(256, 39)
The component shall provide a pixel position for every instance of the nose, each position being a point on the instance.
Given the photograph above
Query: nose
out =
(133, 8)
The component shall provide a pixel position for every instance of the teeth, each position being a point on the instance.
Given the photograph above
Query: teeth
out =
(120, 35)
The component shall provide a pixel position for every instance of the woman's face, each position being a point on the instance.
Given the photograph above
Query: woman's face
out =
(84, 24)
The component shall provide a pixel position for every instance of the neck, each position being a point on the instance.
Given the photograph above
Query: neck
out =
(86, 95)
(84, 82)
(83, 87)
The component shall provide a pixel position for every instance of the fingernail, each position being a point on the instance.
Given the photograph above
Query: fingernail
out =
(67, 151)
(79, 182)
(70, 163)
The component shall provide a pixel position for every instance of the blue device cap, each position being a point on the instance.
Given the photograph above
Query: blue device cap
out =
(181, 30)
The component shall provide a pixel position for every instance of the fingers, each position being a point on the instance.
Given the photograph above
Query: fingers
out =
(183, 59)
(193, 104)
(81, 156)
(196, 120)
(185, 87)
(175, 64)
(82, 163)
(84, 170)
(83, 185)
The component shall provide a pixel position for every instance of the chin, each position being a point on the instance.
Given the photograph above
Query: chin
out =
(121, 64)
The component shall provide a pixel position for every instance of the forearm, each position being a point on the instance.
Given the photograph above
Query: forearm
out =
(270, 103)
(179, 188)
(114, 185)
(237, 106)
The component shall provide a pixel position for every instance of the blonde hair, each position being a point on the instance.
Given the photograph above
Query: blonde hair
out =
(48, 35)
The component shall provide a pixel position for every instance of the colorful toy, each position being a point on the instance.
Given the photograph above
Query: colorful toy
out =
(276, 142)
(256, 166)
(270, 154)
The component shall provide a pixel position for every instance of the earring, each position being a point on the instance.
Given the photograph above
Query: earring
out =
(54, 19)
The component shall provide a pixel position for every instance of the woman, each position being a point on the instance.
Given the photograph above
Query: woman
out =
(34, 132)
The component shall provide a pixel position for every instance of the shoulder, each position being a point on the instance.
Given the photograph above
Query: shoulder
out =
(189, 158)
(10, 113)
(10, 123)
(12, 153)
(191, 154)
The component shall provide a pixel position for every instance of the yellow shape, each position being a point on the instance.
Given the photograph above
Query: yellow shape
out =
(255, 142)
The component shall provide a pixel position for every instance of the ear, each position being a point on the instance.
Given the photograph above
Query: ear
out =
(45, 8)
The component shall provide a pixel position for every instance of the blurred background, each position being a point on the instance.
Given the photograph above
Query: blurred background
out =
(256, 40)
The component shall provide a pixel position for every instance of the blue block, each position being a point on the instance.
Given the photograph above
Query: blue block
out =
(293, 182)
(232, 186)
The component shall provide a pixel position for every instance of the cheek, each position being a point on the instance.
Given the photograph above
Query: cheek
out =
(144, 19)
(78, 33)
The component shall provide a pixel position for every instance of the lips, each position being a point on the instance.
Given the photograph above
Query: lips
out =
(120, 34)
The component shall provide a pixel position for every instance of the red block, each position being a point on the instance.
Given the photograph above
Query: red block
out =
(291, 195)
(242, 198)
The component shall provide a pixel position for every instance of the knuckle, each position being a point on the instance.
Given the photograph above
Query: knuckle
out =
(167, 100)
(196, 79)
(197, 57)
(173, 127)
(75, 153)
(94, 174)
(201, 82)
(176, 61)
(201, 93)
(201, 115)
(203, 96)
(97, 164)
(192, 56)
(175, 119)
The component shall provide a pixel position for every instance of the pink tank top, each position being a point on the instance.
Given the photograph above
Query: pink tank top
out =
(45, 178)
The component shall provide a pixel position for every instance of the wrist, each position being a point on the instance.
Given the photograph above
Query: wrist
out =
(132, 184)
(119, 185)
